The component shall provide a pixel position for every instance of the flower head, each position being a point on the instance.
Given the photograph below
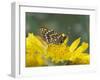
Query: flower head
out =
(73, 53)
(35, 48)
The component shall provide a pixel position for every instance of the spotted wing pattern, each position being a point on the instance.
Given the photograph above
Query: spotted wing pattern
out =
(50, 36)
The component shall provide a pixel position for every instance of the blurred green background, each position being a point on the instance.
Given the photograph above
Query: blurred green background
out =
(74, 26)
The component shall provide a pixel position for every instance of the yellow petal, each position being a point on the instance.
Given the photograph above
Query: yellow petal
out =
(81, 58)
(30, 60)
(34, 60)
(34, 43)
(40, 60)
(34, 39)
(65, 41)
(74, 45)
(82, 48)
(45, 45)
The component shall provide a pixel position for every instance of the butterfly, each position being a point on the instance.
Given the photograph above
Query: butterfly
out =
(51, 36)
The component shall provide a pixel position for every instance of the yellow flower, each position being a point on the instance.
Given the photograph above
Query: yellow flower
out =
(38, 52)
(35, 48)
(62, 52)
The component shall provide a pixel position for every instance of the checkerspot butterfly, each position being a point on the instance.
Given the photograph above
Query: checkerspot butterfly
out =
(51, 36)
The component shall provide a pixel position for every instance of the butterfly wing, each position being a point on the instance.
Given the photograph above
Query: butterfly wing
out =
(50, 36)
